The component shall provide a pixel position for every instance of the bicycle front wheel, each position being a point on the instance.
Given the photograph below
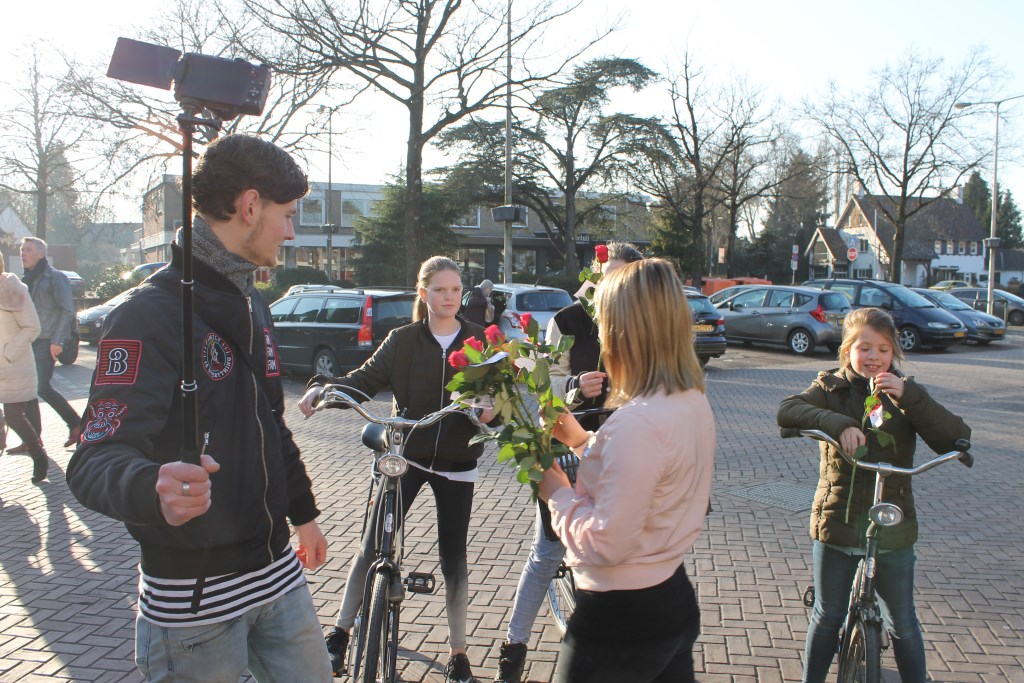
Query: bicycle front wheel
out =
(860, 657)
(562, 598)
(381, 633)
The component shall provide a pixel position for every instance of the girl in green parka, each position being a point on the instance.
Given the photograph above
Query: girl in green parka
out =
(834, 404)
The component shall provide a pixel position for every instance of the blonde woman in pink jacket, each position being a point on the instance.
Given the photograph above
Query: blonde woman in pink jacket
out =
(642, 490)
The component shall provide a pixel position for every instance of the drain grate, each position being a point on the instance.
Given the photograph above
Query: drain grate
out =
(780, 494)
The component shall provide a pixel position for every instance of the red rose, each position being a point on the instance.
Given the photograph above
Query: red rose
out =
(601, 253)
(524, 319)
(475, 343)
(494, 335)
(458, 360)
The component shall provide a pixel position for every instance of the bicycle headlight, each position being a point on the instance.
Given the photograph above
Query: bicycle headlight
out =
(885, 514)
(392, 465)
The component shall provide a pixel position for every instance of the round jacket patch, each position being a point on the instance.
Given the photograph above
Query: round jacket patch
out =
(218, 360)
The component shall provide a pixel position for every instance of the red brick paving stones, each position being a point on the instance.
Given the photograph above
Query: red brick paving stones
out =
(67, 575)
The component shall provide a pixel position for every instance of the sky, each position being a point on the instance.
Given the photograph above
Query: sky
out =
(791, 49)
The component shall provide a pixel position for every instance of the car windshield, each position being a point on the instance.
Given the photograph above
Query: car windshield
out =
(950, 302)
(701, 304)
(119, 298)
(542, 301)
(910, 298)
(1010, 297)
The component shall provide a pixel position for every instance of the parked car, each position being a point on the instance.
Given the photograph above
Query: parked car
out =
(141, 272)
(511, 300)
(90, 320)
(322, 329)
(800, 318)
(919, 321)
(981, 327)
(708, 327)
(729, 292)
(951, 284)
(76, 282)
(1008, 307)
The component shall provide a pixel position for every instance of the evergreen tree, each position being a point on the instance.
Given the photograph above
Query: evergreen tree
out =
(1008, 223)
(978, 196)
(381, 237)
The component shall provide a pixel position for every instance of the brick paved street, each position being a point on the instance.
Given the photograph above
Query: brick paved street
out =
(68, 576)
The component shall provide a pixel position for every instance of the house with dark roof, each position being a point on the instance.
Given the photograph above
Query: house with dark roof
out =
(943, 241)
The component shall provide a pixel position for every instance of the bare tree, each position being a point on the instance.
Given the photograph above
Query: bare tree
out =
(679, 162)
(902, 136)
(36, 134)
(441, 60)
(566, 145)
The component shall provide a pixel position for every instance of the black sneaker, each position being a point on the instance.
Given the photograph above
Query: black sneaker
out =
(337, 646)
(458, 670)
(511, 662)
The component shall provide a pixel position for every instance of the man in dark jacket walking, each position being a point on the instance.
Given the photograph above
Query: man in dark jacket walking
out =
(221, 589)
(51, 295)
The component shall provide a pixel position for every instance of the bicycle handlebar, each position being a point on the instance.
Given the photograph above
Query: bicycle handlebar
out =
(333, 396)
(885, 468)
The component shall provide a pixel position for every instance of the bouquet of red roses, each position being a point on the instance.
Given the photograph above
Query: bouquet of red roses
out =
(512, 377)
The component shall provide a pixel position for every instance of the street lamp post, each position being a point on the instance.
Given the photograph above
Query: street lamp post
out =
(329, 227)
(992, 243)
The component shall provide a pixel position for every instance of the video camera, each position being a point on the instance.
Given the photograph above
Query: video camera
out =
(226, 87)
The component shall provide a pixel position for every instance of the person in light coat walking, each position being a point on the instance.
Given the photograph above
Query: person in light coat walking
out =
(19, 327)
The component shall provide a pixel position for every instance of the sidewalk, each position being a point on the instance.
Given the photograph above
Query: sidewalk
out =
(68, 576)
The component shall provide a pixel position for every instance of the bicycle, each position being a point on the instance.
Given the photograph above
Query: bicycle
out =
(561, 594)
(373, 650)
(861, 639)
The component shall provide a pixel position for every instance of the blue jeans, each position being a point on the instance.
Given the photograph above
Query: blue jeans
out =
(834, 572)
(278, 642)
(541, 565)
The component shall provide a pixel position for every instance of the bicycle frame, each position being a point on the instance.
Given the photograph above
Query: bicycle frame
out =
(863, 600)
(388, 532)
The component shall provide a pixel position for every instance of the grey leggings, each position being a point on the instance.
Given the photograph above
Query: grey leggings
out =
(453, 501)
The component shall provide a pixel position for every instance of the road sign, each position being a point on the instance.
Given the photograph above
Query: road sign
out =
(792, 264)
(852, 254)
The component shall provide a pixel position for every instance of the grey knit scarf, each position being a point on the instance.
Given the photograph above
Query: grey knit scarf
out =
(207, 247)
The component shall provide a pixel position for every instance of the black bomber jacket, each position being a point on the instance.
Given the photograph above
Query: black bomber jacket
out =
(133, 424)
(414, 366)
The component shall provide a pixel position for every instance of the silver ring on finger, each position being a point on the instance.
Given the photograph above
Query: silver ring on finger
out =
(186, 488)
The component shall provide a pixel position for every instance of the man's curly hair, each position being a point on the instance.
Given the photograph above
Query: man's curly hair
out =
(236, 163)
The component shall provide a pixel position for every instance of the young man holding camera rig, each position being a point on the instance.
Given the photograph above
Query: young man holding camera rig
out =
(221, 588)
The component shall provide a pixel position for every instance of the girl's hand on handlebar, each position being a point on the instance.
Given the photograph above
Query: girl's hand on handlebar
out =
(591, 383)
(851, 439)
(554, 479)
(309, 399)
(889, 383)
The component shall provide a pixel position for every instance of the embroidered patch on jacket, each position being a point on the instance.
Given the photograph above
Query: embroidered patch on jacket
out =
(218, 359)
(117, 361)
(273, 367)
(104, 420)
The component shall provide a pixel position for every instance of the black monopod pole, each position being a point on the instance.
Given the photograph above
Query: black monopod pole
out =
(189, 395)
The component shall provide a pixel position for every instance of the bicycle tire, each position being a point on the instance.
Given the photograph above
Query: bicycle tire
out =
(562, 599)
(379, 663)
(860, 660)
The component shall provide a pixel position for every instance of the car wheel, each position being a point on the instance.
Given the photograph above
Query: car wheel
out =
(703, 360)
(1016, 318)
(910, 338)
(325, 363)
(800, 342)
(833, 347)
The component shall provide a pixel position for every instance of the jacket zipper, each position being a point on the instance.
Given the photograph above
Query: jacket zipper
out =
(259, 426)
(437, 439)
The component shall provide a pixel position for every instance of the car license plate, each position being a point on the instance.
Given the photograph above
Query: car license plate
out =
(959, 334)
(83, 329)
(998, 332)
(703, 328)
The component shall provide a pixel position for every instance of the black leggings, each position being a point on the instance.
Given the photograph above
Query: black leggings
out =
(640, 636)
(453, 501)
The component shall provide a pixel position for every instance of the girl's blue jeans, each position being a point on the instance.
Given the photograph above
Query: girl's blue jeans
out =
(834, 572)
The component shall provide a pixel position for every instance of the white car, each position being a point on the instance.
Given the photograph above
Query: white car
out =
(514, 299)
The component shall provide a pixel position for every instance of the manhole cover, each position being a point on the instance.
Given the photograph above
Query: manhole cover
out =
(780, 494)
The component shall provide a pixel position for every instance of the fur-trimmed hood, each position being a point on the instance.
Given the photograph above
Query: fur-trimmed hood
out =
(13, 293)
